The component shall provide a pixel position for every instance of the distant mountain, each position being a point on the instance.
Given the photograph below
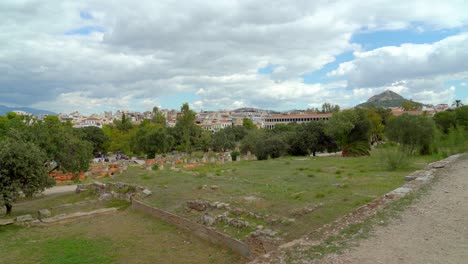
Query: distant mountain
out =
(386, 99)
(6, 109)
(250, 109)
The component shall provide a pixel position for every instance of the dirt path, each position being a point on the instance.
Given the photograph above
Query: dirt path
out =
(60, 189)
(433, 230)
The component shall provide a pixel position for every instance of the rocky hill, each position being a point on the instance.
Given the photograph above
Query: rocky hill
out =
(387, 99)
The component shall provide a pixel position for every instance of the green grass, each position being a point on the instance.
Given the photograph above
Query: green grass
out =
(124, 237)
(32, 205)
(280, 186)
(351, 234)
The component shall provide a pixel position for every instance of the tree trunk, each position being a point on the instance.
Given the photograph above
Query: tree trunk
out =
(8, 208)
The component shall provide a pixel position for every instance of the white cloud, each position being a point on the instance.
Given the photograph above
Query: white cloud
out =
(418, 71)
(162, 48)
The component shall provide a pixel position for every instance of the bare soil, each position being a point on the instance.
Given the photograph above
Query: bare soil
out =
(433, 230)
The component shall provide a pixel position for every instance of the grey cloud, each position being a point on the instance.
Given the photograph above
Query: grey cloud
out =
(157, 48)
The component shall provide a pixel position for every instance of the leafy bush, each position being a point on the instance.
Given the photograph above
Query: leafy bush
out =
(273, 147)
(235, 154)
(356, 149)
(450, 143)
(393, 159)
(415, 133)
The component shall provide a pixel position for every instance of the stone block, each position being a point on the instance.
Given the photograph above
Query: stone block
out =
(24, 218)
(4, 222)
(43, 213)
(146, 192)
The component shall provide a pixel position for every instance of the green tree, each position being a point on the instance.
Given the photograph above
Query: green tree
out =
(330, 108)
(457, 103)
(223, 140)
(124, 124)
(186, 130)
(351, 130)
(376, 126)
(120, 141)
(21, 170)
(271, 146)
(461, 115)
(445, 120)
(96, 136)
(311, 138)
(158, 117)
(410, 106)
(247, 123)
(62, 144)
(204, 142)
(249, 142)
(414, 133)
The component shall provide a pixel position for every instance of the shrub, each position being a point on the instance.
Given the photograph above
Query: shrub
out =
(450, 143)
(415, 133)
(356, 149)
(235, 154)
(319, 195)
(393, 159)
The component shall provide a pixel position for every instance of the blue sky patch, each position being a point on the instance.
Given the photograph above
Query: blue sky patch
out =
(373, 40)
(86, 15)
(84, 30)
(461, 89)
(320, 76)
(267, 69)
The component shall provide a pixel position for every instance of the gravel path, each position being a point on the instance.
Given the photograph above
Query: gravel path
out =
(60, 189)
(433, 230)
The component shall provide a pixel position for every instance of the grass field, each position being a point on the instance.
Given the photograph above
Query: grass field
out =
(125, 237)
(277, 188)
(273, 188)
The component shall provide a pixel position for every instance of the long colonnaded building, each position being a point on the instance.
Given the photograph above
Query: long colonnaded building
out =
(271, 121)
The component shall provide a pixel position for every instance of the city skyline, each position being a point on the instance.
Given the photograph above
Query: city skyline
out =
(97, 56)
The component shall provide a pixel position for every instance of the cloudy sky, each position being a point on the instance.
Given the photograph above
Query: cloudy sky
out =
(66, 55)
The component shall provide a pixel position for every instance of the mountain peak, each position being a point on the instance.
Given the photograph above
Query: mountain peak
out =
(385, 96)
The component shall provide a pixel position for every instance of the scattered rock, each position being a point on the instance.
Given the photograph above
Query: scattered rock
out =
(410, 177)
(260, 227)
(43, 213)
(106, 196)
(237, 211)
(251, 198)
(214, 187)
(306, 210)
(208, 219)
(4, 222)
(438, 164)
(197, 205)
(24, 218)
(146, 192)
(238, 223)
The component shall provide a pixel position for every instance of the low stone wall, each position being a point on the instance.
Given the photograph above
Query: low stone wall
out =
(67, 218)
(117, 190)
(195, 228)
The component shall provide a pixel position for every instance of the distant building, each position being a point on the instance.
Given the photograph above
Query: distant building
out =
(21, 113)
(271, 121)
(399, 112)
(89, 122)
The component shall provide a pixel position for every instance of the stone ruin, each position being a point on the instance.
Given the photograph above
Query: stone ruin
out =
(208, 157)
(95, 170)
(260, 241)
(118, 190)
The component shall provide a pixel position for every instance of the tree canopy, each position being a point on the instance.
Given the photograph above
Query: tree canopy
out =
(22, 169)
